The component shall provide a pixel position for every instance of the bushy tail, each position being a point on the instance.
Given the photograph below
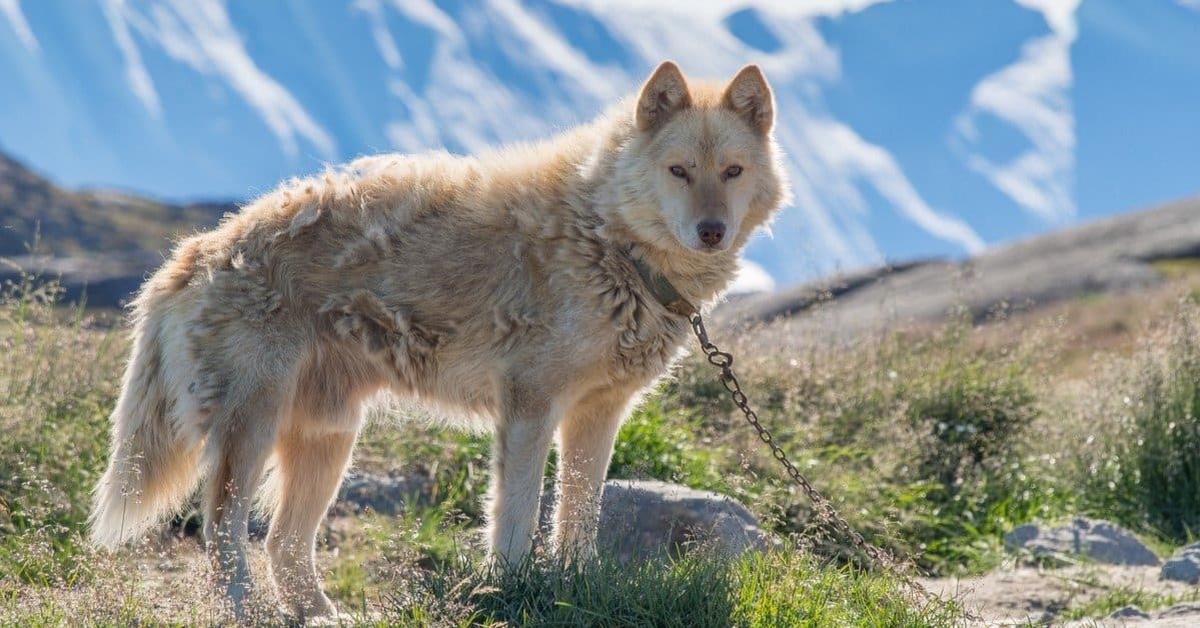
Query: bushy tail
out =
(152, 468)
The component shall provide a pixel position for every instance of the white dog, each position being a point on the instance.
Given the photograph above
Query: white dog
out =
(528, 287)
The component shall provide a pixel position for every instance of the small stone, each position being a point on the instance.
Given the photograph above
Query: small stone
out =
(1091, 539)
(1184, 566)
(384, 494)
(1129, 612)
(1180, 610)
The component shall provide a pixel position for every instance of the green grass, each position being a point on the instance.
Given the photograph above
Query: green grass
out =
(655, 445)
(56, 388)
(1119, 597)
(932, 444)
(783, 588)
(923, 441)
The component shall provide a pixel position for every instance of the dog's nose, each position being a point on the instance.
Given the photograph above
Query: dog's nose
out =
(711, 231)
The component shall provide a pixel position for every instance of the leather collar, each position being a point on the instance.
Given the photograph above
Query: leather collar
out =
(662, 289)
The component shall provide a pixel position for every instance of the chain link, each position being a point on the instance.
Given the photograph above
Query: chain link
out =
(824, 508)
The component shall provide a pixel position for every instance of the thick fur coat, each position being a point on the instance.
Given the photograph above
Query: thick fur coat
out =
(501, 288)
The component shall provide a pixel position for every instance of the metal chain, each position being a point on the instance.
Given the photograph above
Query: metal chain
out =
(825, 510)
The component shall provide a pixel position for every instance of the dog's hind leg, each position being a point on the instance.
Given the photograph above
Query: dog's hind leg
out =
(238, 446)
(310, 468)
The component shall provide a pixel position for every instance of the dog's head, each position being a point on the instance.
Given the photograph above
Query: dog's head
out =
(701, 171)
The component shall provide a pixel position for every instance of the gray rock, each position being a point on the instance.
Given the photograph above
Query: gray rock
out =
(384, 494)
(1090, 539)
(1180, 610)
(1129, 612)
(652, 519)
(1184, 566)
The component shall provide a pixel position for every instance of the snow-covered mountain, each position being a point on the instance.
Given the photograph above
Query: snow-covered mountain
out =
(921, 127)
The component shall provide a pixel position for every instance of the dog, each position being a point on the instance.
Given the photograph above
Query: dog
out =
(534, 290)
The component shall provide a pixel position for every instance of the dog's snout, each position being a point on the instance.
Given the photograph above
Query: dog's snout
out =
(711, 232)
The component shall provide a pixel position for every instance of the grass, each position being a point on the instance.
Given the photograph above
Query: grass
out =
(933, 443)
(1120, 597)
(1148, 470)
(1178, 267)
(783, 588)
(55, 393)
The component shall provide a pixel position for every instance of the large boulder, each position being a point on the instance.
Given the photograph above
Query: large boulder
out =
(1184, 566)
(652, 519)
(1091, 539)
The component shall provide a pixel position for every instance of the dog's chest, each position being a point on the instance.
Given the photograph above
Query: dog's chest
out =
(640, 340)
(632, 336)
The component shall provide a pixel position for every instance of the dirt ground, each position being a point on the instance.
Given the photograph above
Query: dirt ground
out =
(171, 585)
(1024, 595)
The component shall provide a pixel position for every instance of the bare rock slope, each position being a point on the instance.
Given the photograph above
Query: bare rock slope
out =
(1115, 254)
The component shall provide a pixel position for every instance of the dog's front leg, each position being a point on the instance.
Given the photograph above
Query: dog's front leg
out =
(585, 448)
(519, 455)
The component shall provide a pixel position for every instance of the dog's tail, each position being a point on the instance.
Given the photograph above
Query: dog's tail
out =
(152, 466)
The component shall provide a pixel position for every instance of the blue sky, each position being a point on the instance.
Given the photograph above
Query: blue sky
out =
(914, 128)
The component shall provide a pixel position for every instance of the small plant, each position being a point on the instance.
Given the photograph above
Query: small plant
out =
(971, 415)
(1148, 472)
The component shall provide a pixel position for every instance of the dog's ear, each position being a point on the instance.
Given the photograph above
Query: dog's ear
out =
(749, 95)
(664, 93)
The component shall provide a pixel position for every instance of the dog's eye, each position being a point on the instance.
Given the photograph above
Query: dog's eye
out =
(732, 171)
(679, 172)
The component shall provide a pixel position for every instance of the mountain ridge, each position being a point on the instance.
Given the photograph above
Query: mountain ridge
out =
(40, 217)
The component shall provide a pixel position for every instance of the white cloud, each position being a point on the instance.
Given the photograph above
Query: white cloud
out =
(11, 10)
(200, 34)
(717, 9)
(851, 155)
(1059, 14)
(1033, 96)
(428, 14)
(547, 48)
(135, 70)
(384, 41)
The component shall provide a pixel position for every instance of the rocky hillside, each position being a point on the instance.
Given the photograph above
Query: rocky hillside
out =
(87, 222)
(103, 240)
(1128, 252)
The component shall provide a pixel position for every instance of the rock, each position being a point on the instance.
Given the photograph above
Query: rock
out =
(1112, 255)
(1096, 540)
(1180, 610)
(1184, 566)
(1129, 612)
(383, 494)
(649, 519)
